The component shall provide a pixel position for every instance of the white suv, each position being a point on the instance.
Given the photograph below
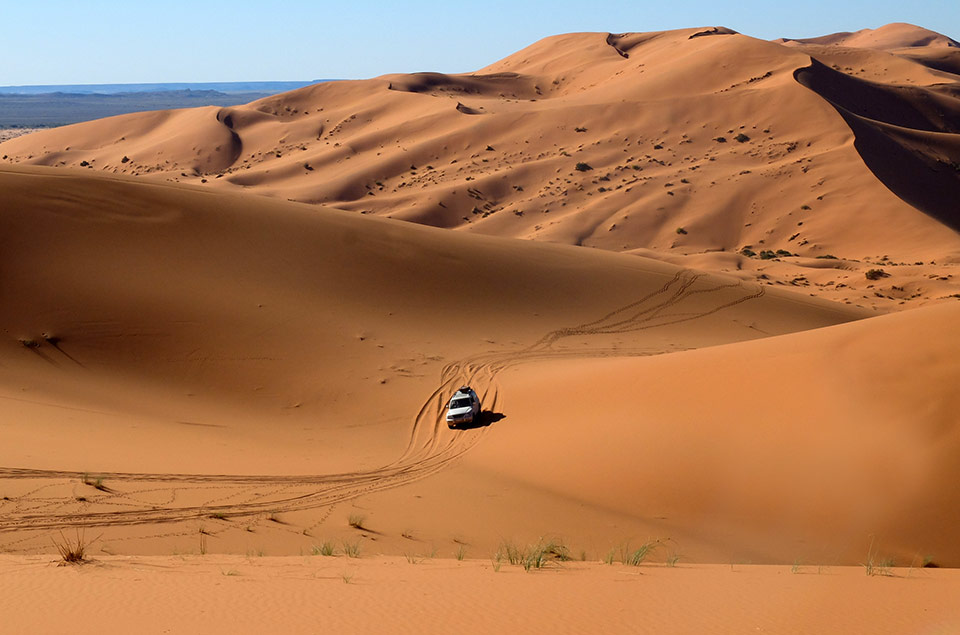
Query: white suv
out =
(464, 407)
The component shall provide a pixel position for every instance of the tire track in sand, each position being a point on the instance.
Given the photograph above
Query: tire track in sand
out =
(430, 446)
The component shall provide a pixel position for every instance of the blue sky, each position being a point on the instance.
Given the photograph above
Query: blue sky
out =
(60, 42)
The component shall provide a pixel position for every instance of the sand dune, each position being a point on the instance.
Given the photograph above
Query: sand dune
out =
(227, 594)
(239, 335)
(218, 337)
(894, 36)
(806, 447)
(845, 151)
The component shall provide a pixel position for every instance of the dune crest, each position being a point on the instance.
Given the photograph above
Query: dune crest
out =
(682, 145)
(898, 35)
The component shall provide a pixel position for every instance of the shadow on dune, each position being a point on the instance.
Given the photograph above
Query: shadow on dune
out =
(485, 419)
(907, 136)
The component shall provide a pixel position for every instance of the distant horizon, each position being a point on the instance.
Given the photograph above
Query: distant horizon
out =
(113, 42)
(114, 87)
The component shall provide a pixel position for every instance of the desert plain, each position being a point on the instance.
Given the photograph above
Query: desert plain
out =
(706, 286)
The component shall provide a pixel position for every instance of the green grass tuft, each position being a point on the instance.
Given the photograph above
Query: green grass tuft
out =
(351, 550)
(325, 548)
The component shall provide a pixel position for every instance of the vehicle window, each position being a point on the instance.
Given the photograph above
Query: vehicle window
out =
(460, 403)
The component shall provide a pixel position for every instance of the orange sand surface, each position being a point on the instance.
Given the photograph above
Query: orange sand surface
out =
(705, 285)
(694, 145)
(225, 594)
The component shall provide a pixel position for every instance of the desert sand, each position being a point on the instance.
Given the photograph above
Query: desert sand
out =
(694, 145)
(229, 334)
(229, 594)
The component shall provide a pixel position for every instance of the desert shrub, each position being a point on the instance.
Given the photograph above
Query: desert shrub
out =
(324, 549)
(766, 254)
(681, 230)
(749, 253)
(583, 167)
(876, 274)
(72, 552)
(721, 139)
(742, 138)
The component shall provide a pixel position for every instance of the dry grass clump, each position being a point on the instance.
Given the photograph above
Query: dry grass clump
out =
(72, 551)
(536, 556)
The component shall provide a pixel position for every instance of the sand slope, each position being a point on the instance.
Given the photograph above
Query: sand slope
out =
(189, 366)
(854, 161)
(156, 330)
(217, 594)
(808, 447)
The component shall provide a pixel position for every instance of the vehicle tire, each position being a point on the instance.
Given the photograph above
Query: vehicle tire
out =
(451, 425)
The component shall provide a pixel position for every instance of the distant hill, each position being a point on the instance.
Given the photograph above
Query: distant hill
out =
(49, 106)
(113, 89)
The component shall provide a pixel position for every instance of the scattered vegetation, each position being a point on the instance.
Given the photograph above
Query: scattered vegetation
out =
(636, 556)
(876, 274)
(72, 551)
(535, 556)
(323, 549)
(356, 521)
(351, 550)
(583, 167)
(95, 483)
(827, 257)
(749, 253)
(742, 138)
(681, 230)
(721, 139)
(874, 567)
(461, 552)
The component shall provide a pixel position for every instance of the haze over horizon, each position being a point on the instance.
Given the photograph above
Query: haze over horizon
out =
(115, 43)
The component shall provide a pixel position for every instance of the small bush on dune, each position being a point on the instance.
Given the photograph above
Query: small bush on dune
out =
(583, 167)
(72, 551)
(534, 556)
(636, 556)
(323, 549)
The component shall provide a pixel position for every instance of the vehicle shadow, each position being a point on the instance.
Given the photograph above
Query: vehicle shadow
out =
(483, 420)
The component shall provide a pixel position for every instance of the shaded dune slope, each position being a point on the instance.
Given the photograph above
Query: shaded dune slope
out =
(907, 135)
(260, 305)
(212, 354)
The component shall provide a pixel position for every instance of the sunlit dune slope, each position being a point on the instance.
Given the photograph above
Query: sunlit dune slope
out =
(834, 445)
